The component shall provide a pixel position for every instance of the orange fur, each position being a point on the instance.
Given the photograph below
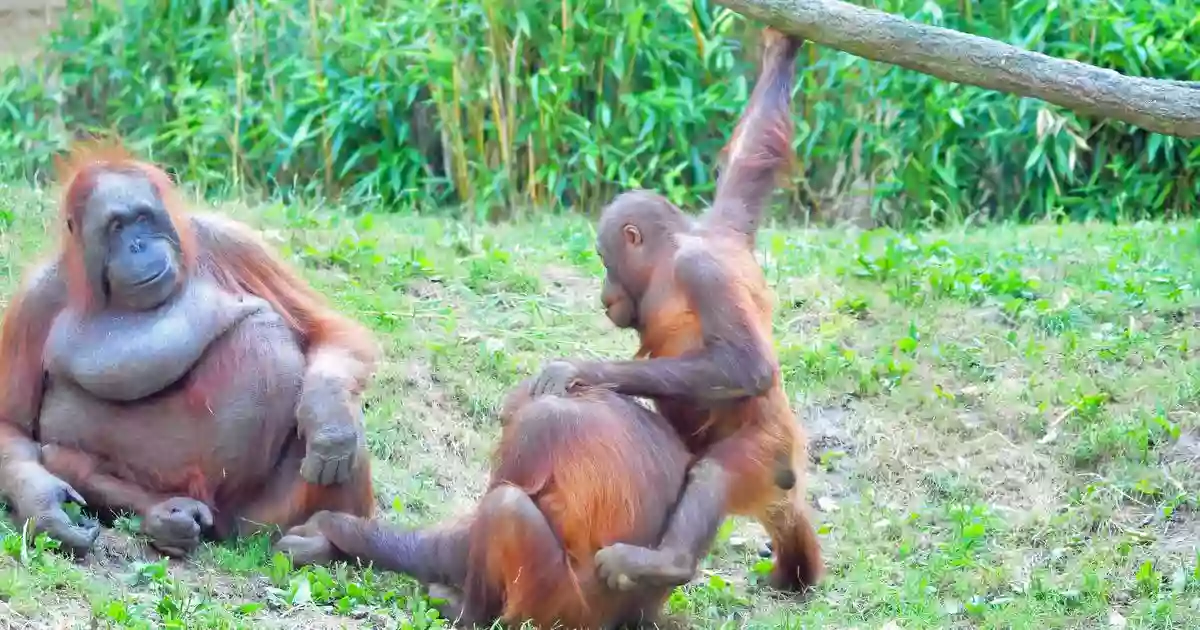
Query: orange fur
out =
(23, 332)
(591, 469)
(748, 437)
(236, 258)
(753, 439)
(760, 148)
(340, 353)
(590, 475)
(239, 260)
(78, 172)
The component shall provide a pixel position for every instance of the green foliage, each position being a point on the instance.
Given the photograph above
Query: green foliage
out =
(1017, 453)
(494, 105)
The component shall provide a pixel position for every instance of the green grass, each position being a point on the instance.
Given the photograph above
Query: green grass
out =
(1002, 422)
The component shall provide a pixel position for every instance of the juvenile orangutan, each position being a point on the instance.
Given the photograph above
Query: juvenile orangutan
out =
(695, 294)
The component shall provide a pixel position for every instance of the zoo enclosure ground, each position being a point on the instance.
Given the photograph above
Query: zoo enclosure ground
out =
(1002, 422)
(22, 22)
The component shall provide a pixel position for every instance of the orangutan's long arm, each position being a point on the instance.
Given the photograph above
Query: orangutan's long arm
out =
(761, 144)
(26, 324)
(733, 363)
(35, 493)
(341, 353)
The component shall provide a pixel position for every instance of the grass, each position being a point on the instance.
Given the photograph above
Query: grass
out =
(1002, 423)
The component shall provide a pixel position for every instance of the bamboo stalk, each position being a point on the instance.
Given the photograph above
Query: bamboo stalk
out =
(239, 87)
(322, 89)
(510, 121)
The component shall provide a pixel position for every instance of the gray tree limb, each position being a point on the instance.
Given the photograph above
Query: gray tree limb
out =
(1165, 106)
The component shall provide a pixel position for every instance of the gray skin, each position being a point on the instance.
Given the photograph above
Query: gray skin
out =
(225, 438)
(104, 400)
(124, 356)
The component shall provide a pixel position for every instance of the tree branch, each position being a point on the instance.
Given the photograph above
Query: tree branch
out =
(1164, 106)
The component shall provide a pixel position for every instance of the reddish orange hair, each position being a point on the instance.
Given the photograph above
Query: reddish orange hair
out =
(78, 171)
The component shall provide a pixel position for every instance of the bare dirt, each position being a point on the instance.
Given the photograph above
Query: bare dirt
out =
(22, 24)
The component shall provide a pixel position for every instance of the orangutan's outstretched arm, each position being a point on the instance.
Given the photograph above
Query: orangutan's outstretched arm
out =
(761, 144)
(34, 492)
(733, 363)
(341, 353)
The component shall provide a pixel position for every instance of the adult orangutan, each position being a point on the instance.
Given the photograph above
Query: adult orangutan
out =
(173, 366)
(701, 306)
(571, 475)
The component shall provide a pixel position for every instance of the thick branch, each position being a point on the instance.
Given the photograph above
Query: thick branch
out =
(1164, 106)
